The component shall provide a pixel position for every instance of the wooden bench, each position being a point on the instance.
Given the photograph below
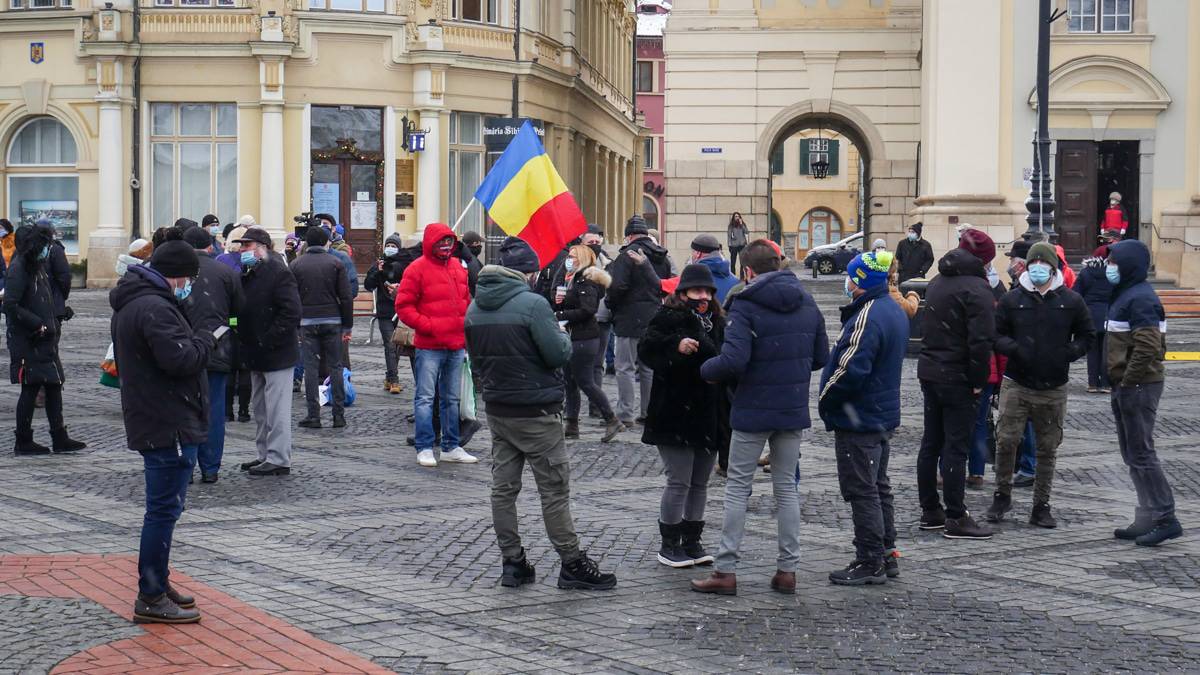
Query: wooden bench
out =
(1180, 304)
(364, 306)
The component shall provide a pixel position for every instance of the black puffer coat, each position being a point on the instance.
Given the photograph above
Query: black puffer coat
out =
(389, 270)
(1042, 334)
(959, 326)
(269, 326)
(216, 296)
(684, 410)
(581, 302)
(636, 291)
(29, 305)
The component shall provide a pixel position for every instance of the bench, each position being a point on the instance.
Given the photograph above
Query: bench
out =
(364, 306)
(1180, 304)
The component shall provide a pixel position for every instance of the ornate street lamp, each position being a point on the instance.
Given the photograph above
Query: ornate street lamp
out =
(1040, 204)
(819, 168)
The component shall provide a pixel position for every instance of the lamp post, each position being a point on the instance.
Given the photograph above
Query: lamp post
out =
(1040, 204)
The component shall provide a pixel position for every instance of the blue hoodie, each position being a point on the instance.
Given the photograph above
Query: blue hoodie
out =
(721, 275)
(774, 339)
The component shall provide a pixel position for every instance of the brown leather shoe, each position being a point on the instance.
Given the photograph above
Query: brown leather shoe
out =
(720, 583)
(784, 582)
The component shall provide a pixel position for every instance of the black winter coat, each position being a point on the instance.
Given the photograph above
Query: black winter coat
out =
(552, 275)
(324, 290)
(684, 410)
(390, 270)
(161, 361)
(1093, 286)
(636, 291)
(216, 296)
(60, 277)
(472, 264)
(29, 306)
(959, 326)
(270, 321)
(581, 302)
(915, 258)
(1042, 334)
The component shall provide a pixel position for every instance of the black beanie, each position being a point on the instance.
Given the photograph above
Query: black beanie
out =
(175, 259)
(916, 227)
(636, 225)
(210, 219)
(185, 224)
(198, 238)
(516, 254)
(316, 236)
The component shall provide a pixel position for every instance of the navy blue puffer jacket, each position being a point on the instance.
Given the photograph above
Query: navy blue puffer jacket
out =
(774, 339)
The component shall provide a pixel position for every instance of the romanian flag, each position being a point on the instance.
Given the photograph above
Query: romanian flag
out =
(527, 198)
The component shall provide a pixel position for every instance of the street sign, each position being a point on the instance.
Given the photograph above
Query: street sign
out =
(498, 131)
(416, 141)
(710, 151)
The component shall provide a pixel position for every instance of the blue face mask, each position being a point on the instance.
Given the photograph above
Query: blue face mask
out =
(1039, 274)
(1113, 274)
(849, 289)
(44, 253)
(249, 259)
(912, 236)
(181, 294)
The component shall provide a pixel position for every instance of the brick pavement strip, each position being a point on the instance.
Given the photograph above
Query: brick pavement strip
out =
(361, 552)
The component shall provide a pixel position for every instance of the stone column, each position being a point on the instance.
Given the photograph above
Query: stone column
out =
(270, 196)
(429, 172)
(110, 238)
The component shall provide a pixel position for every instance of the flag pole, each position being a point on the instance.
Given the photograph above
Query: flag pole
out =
(463, 215)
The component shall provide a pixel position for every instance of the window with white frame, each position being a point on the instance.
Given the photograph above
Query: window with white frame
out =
(42, 182)
(41, 4)
(348, 5)
(644, 77)
(193, 161)
(648, 152)
(818, 151)
(484, 11)
(1099, 16)
(465, 139)
(195, 3)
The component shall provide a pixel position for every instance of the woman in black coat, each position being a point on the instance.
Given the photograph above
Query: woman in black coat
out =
(576, 303)
(33, 341)
(684, 415)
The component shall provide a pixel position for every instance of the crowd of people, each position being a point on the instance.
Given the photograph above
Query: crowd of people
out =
(713, 367)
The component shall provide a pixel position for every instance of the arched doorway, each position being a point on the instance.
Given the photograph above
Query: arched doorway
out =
(819, 226)
(41, 178)
(650, 211)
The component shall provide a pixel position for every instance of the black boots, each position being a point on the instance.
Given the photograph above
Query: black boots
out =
(1135, 529)
(25, 445)
(1001, 504)
(162, 609)
(517, 572)
(671, 552)
(1041, 517)
(61, 442)
(860, 573)
(582, 573)
(690, 542)
(1162, 531)
(571, 427)
(965, 528)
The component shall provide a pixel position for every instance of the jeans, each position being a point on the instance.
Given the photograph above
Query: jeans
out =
(688, 470)
(862, 461)
(209, 453)
(27, 402)
(323, 352)
(1135, 409)
(631, 372)
(605, 350)
(949, 420)
(733, 256)
(977, 461)
(437, 370)
(1097, 363)
(167, 473)
(580, 374)
(391, 357)
(744, 451)
(1046, 410)
(273, 415)
(538, 441)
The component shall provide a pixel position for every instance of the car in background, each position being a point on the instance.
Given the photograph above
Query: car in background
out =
(833, 258)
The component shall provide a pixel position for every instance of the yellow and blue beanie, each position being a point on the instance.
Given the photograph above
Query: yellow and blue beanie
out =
(870, 269)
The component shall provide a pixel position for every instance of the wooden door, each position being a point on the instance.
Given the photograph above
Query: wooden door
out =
(1075, 188)
(348, 190)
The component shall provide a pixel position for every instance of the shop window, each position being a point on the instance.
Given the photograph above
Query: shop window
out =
(1099, 16)
(650, 212)
(193, 162)
(466, 167)
(50, 188)
(484, 11)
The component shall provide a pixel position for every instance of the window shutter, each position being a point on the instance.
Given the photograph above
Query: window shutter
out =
(777, 160)
(804, 157)
(833, 158)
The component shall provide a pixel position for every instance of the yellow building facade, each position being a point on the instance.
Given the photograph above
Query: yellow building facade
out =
(116, 119)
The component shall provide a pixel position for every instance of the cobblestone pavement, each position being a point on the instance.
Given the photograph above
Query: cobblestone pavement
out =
(363, 549)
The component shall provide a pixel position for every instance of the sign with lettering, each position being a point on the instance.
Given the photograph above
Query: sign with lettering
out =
(710, 151)
(498, 131)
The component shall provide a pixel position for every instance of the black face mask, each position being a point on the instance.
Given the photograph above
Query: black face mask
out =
(695, 305)
(596, 249)
(476, 250)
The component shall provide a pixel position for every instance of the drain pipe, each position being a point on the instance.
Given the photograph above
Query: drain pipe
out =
(135, 180)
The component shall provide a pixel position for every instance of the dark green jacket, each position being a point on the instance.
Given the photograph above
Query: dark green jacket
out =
(516, 346)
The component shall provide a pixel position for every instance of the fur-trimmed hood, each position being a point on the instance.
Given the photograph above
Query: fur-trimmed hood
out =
(597, 276)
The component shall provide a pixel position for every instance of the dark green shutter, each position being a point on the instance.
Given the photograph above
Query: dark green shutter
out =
(833, 158)
(804, 157)
(777, 160)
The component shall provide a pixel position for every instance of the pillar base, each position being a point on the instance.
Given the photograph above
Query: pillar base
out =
(104, 245)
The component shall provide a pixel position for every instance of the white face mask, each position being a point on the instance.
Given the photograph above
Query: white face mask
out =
(390, 251)
(992, 275)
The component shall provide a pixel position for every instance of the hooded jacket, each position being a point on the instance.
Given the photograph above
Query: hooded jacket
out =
(60, 277)
(1137, 325)
(1093, 286)
(860, 387)
(959, 323)
(515, 345)
(1042, 334)
(684, 410)
(29, 305)
(915, 257)
(268, 327)
(469, 262)
(161, 361)
(347, 264)
(433, 295)
(324, 290)
(635, 293)
(389, 271)
(721, 274)
(581, 302)
(216, 297)
(774, 339)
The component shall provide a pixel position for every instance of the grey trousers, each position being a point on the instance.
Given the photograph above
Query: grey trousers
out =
(1046, 410)
(630, 373)
(322, 349)
(538, 441)
(687, 470)
(1135, 409)
(744, 450)
(272, 401)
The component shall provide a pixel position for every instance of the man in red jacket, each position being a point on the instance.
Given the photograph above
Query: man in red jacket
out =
(432, 300)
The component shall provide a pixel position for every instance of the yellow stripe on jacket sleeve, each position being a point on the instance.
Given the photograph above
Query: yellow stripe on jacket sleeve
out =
(533, 186)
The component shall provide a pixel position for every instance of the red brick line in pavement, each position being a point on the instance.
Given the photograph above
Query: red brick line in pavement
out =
(232, 636)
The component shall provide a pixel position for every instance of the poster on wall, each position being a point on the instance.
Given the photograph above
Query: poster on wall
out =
(362, 215)
(326, 199)
(62, 214)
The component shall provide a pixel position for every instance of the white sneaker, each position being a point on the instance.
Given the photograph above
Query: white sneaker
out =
(459, 455)
(426, 458)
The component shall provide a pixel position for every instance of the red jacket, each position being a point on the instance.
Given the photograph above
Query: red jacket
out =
(1115, 219)
(433, 296)
(1067, 272)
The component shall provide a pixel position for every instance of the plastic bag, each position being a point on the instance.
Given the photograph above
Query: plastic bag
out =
(108, 369)
(466, 393)
(325, 393)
